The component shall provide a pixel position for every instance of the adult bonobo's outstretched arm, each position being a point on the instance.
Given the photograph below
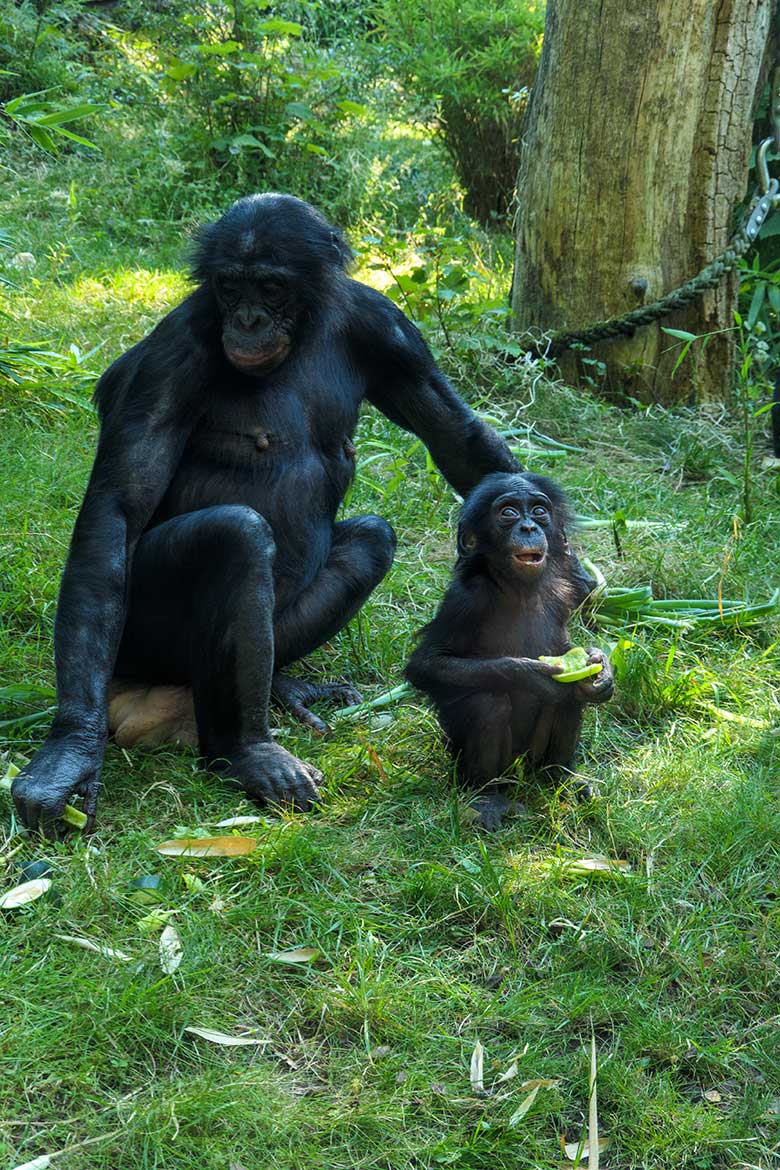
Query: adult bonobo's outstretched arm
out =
(146, 403)
(409, 388)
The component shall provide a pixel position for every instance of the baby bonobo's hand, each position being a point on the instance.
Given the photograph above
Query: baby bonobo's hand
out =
(599, 687)
(539, 678)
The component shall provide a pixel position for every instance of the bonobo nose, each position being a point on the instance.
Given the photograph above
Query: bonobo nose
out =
(250, 316)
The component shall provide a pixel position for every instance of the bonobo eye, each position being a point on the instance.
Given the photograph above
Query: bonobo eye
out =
(230, 289)
(510, 512)
(539, 512)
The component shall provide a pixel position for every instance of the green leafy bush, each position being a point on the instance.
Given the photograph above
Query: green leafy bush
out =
(471, 66)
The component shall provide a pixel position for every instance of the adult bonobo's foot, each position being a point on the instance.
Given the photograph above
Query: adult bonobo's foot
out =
(492, 806)
(61, 768)
(271, 775)
(296, 696)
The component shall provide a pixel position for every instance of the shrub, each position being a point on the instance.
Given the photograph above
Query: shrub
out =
(471, 66)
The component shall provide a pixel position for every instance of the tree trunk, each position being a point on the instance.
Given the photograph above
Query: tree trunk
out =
(635, 152)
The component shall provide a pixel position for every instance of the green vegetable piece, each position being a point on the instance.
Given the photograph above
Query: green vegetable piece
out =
(74, 817)
(145, 890)
(574, 664)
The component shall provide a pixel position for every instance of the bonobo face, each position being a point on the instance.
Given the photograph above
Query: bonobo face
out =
(515, 524)
(519, 521)
(258, 308)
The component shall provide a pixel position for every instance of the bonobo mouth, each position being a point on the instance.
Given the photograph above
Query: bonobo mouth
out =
(257, 361)
(529, 560)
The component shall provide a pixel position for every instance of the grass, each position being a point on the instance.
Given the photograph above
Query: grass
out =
(431, 937)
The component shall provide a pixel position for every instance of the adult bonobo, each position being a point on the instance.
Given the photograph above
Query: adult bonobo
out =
(516, 583)
(206, 551)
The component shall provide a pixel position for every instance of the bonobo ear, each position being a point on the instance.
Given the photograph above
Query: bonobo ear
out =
(341, 248)
(468, 541)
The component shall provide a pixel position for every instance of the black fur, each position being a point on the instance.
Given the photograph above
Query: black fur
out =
(515, 584)
(206, 550)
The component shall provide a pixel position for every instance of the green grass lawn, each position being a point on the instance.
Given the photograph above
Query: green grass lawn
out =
(430, 936)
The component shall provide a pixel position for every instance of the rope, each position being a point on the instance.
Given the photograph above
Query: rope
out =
(625, 325)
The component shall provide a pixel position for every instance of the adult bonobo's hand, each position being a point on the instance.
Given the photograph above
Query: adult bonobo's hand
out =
(61, 768)
(599, 687)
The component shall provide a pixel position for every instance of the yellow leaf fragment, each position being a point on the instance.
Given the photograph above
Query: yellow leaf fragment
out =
(225, 1040)
(531, 1088)
(24, 894)
(598, 865)
(208, 847)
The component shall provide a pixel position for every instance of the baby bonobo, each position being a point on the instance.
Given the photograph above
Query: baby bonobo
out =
(515, 585)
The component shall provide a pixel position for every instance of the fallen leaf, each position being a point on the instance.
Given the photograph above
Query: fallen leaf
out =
(295, 955)
(598, 865)
(509, 1075)
(225, 1040)
(574, 1150)
(154, 920)
(379, 1053)
(37, 1163)
(208, 847)
(533, 1088)
(24, 894)
(477, 1068)
(712, 1095)
(237, 822)
(171, 950)
(88, 945)
(593, 1111)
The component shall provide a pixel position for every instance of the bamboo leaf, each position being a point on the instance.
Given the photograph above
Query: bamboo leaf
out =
(171, 950)
(24, 894)
(295, 955)
(208, 847)
(224, 1040)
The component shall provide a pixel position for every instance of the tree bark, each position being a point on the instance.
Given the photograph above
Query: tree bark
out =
(635, 153)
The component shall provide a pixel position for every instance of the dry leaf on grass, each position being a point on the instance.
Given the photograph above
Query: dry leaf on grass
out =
(295, 955)
(225, 1040)
(477, 1068)
(208, 847)
(88, 945)
(574, 1150)
(597, 865)
(24, 894)
(237, 822)
(531, 1088)
(37, 1163)
(171, 950)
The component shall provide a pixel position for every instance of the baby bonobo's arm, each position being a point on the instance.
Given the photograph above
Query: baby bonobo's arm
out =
(439, 663)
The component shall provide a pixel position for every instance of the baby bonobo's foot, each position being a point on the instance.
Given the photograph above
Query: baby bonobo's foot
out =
(492, 806)
(146, 716)
(296, 696)
(272, 775)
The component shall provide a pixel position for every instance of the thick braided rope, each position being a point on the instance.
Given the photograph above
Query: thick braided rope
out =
(678, 298)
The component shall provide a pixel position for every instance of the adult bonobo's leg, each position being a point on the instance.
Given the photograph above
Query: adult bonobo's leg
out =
(200, 611)
(361, 554)
(479, 731)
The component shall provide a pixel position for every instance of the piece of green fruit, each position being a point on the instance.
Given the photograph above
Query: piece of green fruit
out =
(574, 664)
